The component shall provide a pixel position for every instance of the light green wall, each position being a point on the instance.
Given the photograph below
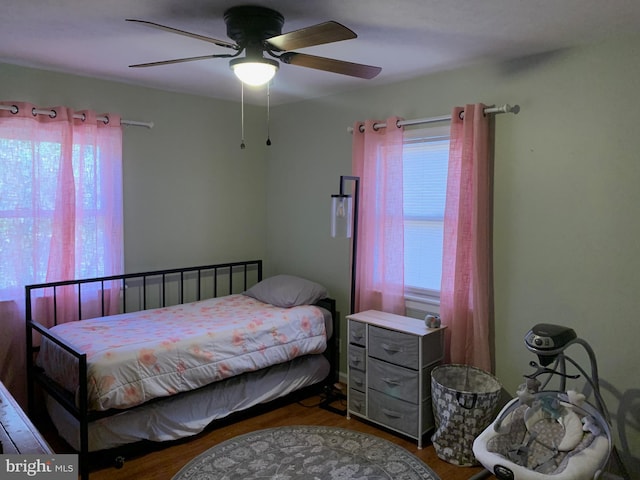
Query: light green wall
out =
(566, 190)
(567, 198)
(191, 195)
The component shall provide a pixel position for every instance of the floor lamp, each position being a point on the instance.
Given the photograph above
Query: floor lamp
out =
(344, 223)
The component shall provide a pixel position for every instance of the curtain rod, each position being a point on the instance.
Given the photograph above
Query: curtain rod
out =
(506, 108)
(52, 113)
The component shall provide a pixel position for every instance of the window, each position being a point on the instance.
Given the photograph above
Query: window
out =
(24, 231)
(425, 164)
(29, 191)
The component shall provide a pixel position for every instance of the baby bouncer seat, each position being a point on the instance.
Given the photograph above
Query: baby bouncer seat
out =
(550, 434)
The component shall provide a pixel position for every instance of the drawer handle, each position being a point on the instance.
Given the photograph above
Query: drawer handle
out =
(358, 382)
(391, 381)
(391, 348)
(390, 413)
(355, 360)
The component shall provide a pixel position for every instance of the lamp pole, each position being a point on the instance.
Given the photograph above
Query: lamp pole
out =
(339, 213)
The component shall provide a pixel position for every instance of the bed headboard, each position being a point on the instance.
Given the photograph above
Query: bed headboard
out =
(131, 292)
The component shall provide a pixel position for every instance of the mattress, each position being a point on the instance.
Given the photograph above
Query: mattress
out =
(135, 357)
(189, 413)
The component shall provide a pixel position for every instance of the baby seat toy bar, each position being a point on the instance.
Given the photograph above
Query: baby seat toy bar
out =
(546, 434)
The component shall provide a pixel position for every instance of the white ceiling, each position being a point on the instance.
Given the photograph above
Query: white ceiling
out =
(407, 38)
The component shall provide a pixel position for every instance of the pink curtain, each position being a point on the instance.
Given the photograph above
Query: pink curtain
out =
(466, 299)
(377, 160)
(61, 214)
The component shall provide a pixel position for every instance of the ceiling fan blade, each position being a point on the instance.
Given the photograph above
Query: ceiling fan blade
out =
(220, 43)
(177, 60)
(330, 65)
(319, 34)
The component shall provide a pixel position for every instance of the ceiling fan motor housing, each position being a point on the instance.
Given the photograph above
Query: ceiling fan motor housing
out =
(250, 26)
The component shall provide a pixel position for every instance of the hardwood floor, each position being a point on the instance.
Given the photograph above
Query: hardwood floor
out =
(163, 461)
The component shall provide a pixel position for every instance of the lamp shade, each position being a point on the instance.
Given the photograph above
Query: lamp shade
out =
(254, 71)
(341, 215)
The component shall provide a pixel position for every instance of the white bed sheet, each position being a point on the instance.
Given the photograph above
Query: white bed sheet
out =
(189, 413)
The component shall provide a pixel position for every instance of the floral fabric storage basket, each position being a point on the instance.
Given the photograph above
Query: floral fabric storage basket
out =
(465, 401)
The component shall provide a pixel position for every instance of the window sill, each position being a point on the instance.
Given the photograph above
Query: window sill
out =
(422, 303)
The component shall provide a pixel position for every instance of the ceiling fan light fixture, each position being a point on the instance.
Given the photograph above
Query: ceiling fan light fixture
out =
(254, 72)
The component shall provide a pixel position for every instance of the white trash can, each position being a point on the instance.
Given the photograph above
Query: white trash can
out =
(465, 401)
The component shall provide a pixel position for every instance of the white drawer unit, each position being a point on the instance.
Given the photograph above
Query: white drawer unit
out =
(390, 358)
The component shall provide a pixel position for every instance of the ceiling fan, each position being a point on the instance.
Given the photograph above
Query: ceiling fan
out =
(258, 30)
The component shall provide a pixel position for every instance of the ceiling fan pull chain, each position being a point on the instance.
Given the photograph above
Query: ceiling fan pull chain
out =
(268, 114)
(242, 115)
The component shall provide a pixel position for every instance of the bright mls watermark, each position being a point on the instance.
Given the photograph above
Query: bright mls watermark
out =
(51, 467)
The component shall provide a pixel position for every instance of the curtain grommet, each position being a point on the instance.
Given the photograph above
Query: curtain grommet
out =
(52, 113)
(14, 110)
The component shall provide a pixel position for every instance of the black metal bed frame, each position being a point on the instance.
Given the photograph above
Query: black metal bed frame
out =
(152, 289)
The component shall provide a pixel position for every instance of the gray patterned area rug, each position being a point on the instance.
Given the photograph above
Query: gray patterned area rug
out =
(306, 452)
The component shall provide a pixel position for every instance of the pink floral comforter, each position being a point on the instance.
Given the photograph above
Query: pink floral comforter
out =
(135, 357)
